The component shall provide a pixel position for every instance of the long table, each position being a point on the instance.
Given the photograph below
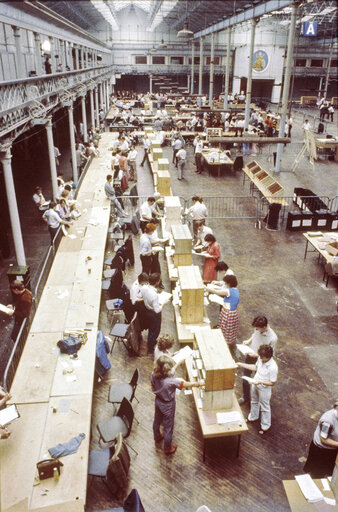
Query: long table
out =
(210, 163)
(53, 392)
(317, 242)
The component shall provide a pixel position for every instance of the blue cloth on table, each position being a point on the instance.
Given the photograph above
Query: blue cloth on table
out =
(62, 449)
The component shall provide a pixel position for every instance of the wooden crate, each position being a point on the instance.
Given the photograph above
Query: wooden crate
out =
(172, 208)
(182, 238)
(163, 164)
(157, 153)
(192, 295)
(182, 260)
(216, 400)
(148, 130)
(163, 183)
(219, 366)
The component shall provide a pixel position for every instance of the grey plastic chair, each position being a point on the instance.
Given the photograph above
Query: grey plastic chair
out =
(117, 392)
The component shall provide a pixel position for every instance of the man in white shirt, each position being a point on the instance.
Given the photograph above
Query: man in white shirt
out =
(180, 158)
(198, 154)
(177, 144)
(154, 310)
(198, 212)
(202, 231)
(261, 387)
(53, 219)
(39, 200)
(132, 162)
(137, 299)
(146, 146)
(146, 212)
(262, 335)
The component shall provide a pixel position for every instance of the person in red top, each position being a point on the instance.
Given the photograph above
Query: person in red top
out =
(21, 307)
(211, 256)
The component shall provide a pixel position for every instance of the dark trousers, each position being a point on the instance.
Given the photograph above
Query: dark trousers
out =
(16, 328)
(164, 415)
(146, 263)
(154, 322)
(198, 162)
(248, 373)
(52, 232)
(144, 156)
(320, 461)
(174, 156)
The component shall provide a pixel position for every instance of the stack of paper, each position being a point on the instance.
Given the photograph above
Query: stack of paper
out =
(309, 488)
(217, 299)
(244, 349)
(164, 297)
(248, 379)
(228, 417)
(5, 309)
(182, 354)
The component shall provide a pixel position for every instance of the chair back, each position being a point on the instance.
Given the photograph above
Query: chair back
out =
(134, 381)
(133, 334)
(118, 468)
(126, 413)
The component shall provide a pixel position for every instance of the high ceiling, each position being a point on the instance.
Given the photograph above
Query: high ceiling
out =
(200, 14)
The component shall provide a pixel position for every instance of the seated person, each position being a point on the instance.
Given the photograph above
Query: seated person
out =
(39, 200)
(63, 210)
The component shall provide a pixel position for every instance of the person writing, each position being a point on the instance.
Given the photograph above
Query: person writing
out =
(265, 377)
(164, 386)
(21, 307)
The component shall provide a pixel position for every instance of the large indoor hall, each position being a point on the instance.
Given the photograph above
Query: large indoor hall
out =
(169, 225)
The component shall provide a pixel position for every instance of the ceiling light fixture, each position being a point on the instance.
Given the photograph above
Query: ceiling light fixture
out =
(185, 32)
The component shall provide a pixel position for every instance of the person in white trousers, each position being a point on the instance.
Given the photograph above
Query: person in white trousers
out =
(261, 386)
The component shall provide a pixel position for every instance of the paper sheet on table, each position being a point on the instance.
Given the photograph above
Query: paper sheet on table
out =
(62, 295)
(182, 354)
(188, 392)
(5, 309)
(209, 417)
(174, 272)
(244, 349)
(228, 417)
(193, 328)
(250, 380)
(309, 488)
(164, 297)
(325, 484)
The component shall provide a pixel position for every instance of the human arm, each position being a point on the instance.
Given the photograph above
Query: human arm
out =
(251, 367)
(4, 397)
(329, 442)
(195, 384)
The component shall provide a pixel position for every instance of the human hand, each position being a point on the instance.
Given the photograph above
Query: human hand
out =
(5, 434)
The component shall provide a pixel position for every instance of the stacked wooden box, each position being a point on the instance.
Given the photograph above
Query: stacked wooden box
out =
(217, 369)
(172, 211)
(192, 295)
(163, 164)
(183, 244)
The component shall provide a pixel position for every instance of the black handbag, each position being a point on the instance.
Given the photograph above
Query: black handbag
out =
(46, 468)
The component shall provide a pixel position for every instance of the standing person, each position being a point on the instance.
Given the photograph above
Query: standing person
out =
(262, 335)
(132, 163)
(202, 231)
(146, 213)
(154, 310)
(146, 146)
(289, 121)
(198, 212)
(110, 194)
(146, 249)
(324, 445)
(198, 154)
(306, 125)
(53, 219)
(265, 377)
(211, 256)
(228, 316)
(180, 159)
(330, 112)
(137, 299)
(21, 307)
(177, 144)
(164, 343)
(164, 386)
(48, 65)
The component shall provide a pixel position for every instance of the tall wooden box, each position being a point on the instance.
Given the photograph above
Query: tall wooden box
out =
(157, 153)
(163, 164)
(182, 238)
(218, 369)
(182, 260)
(192, 295)
(173, 208)
(163, 183)
(148, 130)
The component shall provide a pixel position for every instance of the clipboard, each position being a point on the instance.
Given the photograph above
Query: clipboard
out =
(9, 414)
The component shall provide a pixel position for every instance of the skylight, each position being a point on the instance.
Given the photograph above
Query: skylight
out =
(166, 7)
(145, 5)
(104, 9)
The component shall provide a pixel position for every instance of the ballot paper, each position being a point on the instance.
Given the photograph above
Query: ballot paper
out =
(309, 488)
(248, 379)
(228, 417)
(5, 309)
(164, 297)
(157, 248)
(182, 354)
(217, 299)
(244, 349)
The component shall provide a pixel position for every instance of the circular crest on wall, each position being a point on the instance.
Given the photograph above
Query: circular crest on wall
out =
(260, 61)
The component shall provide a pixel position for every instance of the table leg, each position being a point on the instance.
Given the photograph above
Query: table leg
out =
(307, 243)
(238, 445)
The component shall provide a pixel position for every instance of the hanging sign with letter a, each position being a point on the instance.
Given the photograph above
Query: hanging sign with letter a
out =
(309, 28)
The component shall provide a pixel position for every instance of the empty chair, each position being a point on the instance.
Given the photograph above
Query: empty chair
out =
(121, 423)
(129, 334)
(112, 465)
(117, 392)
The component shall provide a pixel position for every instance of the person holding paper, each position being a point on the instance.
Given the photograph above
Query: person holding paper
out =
(324, 445)
(164, 386)
(261, 386)
(53, 219)
(21, 307)
(228, 316)
(262, 335)
(154, 310)
(211, 256)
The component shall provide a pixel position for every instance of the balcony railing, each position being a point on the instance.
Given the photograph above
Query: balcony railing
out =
(160, 69)
(25, 99)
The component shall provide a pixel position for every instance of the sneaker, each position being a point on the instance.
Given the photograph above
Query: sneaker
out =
(158, 439)
(171, 451)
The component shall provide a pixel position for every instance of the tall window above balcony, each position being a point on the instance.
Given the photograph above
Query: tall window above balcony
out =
(158, 60)
(316, 63)
(140, 59)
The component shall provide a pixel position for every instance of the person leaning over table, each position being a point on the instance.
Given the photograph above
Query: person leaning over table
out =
(211, 255)
(154, 309)
(202, 231)
(324, 445)
(265, 377)
(228, 316)
(164, 386)
(53, 219)
(21, 307)
(262, 335)
(198, 212)
(146, 213)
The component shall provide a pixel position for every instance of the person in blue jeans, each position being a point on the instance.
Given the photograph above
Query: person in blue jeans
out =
(164, 386)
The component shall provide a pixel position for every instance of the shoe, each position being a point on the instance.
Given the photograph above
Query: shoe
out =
(262, 431)
(159, 439)
(171, 451)
(242, 401)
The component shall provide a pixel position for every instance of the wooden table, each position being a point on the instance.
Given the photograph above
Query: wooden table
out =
(221, 161)
(215, 430)
(322, 143)
(296, 498)
(315, 241)
(46, 380)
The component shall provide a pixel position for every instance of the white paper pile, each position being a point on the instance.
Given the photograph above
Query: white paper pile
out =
(309, 488)
(228, 417)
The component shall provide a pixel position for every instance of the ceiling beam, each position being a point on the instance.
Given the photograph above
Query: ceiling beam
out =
(253, 12)
(186, 14)
(154, 11)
